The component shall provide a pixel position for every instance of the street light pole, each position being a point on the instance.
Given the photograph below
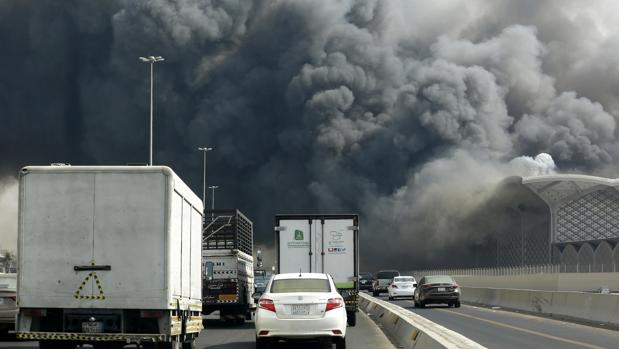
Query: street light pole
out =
(204, 150)
(213, 187)
(151, 60)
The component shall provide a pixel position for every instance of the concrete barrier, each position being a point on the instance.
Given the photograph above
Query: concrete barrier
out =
(579, 282)
(582, 306)
(411, 331)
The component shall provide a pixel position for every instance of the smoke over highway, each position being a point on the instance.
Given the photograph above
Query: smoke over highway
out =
(407, 112)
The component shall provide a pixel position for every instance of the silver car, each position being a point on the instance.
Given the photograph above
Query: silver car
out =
(8, 304)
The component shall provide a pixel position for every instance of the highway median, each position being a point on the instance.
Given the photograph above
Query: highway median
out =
(408, 330)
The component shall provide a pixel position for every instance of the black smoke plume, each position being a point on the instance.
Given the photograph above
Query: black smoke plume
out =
(409, 113)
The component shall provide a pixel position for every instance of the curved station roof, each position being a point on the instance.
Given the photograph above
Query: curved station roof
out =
(554, 189)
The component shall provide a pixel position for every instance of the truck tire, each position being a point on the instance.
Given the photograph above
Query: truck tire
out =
(352, 318)
(189, 345)
(108, 345)
(47, 344)
(340, 343)
(57, 345)
(169, 345)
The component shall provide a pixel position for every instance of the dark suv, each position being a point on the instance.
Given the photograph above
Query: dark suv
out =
(437, 289)
(365, 281)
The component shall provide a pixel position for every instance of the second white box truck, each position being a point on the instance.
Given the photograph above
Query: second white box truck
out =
(108, 256)
(327, 243)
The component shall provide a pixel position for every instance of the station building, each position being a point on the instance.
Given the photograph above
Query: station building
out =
(581, 227)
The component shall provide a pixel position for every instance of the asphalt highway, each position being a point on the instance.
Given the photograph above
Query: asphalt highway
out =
(495, 328)
(218, 335)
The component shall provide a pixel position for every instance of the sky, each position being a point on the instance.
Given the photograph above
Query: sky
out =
(407, 112)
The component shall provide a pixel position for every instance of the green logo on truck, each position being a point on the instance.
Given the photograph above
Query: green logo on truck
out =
(298, 235)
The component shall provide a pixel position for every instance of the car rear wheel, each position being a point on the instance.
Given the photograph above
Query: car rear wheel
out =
(457, 304)
(340, 343)
(262, 343)
(375, 293)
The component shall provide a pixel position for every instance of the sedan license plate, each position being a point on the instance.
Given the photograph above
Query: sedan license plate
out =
(300, 310)
(441, 289)
(92, 327)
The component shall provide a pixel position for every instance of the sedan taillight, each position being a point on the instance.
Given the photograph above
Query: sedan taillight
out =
(334, 303)
(266, 304)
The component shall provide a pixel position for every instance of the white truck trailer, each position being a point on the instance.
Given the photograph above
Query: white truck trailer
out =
(328, 243)
(108, 255)
(228, 265)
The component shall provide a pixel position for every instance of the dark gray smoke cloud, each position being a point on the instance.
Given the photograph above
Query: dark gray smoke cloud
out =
(407, 112)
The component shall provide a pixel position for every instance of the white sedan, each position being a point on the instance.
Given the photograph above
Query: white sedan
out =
(402, 286)
(301, 306)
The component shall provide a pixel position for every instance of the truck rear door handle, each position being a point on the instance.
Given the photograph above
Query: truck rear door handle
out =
(92, 267)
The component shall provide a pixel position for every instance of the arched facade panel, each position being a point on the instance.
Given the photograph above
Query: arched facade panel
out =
(585, 257)
(569, 258)
(603, 257)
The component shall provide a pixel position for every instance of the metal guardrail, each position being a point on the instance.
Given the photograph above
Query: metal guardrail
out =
(520, 270)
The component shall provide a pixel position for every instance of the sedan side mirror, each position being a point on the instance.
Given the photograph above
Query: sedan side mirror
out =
(256, 296)
(414, 285)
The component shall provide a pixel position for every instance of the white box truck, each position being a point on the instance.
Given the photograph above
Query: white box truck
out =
(108, 255)
(228, 265)
(322, 244)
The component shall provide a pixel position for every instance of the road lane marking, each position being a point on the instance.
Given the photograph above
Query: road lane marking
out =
(515, 328)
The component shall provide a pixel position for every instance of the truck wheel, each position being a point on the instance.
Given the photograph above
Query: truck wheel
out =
(262, 343)
(189, 345)
(57, 345)
(340, 343)
(47, 344)
(352, 318)
(107, 345)
(169, 345)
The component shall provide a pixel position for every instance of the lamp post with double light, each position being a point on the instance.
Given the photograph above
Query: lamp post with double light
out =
(151, 60)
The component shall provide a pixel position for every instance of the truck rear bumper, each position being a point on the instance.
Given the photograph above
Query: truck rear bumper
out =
(92, 337)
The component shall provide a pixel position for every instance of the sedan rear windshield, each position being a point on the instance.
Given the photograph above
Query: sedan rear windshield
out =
(439, 280)
(300, 285)
(404, 280)
(387, 274)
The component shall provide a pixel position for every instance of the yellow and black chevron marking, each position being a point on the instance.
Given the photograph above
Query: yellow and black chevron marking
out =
(85, 337)
(78, 293)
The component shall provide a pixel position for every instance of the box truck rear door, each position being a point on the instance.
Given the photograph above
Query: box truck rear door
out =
(296, 237)
(56, 234)
(339, 251)
(129, 236)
